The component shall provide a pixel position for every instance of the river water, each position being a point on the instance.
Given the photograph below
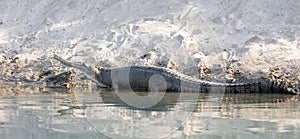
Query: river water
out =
(250, 39)
(37, 112)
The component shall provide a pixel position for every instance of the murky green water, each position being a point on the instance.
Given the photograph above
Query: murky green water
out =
(33, 112)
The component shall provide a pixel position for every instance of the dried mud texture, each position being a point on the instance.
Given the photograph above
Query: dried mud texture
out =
(287, 77)
(15, 69)
(22, 72)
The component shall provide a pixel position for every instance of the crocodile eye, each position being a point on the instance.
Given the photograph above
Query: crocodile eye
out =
(101, 69)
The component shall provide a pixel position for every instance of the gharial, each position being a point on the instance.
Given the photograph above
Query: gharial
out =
(151, 78)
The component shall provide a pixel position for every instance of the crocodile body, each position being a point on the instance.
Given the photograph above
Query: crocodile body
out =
(149, 78)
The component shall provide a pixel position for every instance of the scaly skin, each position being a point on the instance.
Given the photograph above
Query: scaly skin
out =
(149, 78)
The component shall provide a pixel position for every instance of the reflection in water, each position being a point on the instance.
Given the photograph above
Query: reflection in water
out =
(36, 112)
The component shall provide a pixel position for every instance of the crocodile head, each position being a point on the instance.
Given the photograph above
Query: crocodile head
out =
(89, 72)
